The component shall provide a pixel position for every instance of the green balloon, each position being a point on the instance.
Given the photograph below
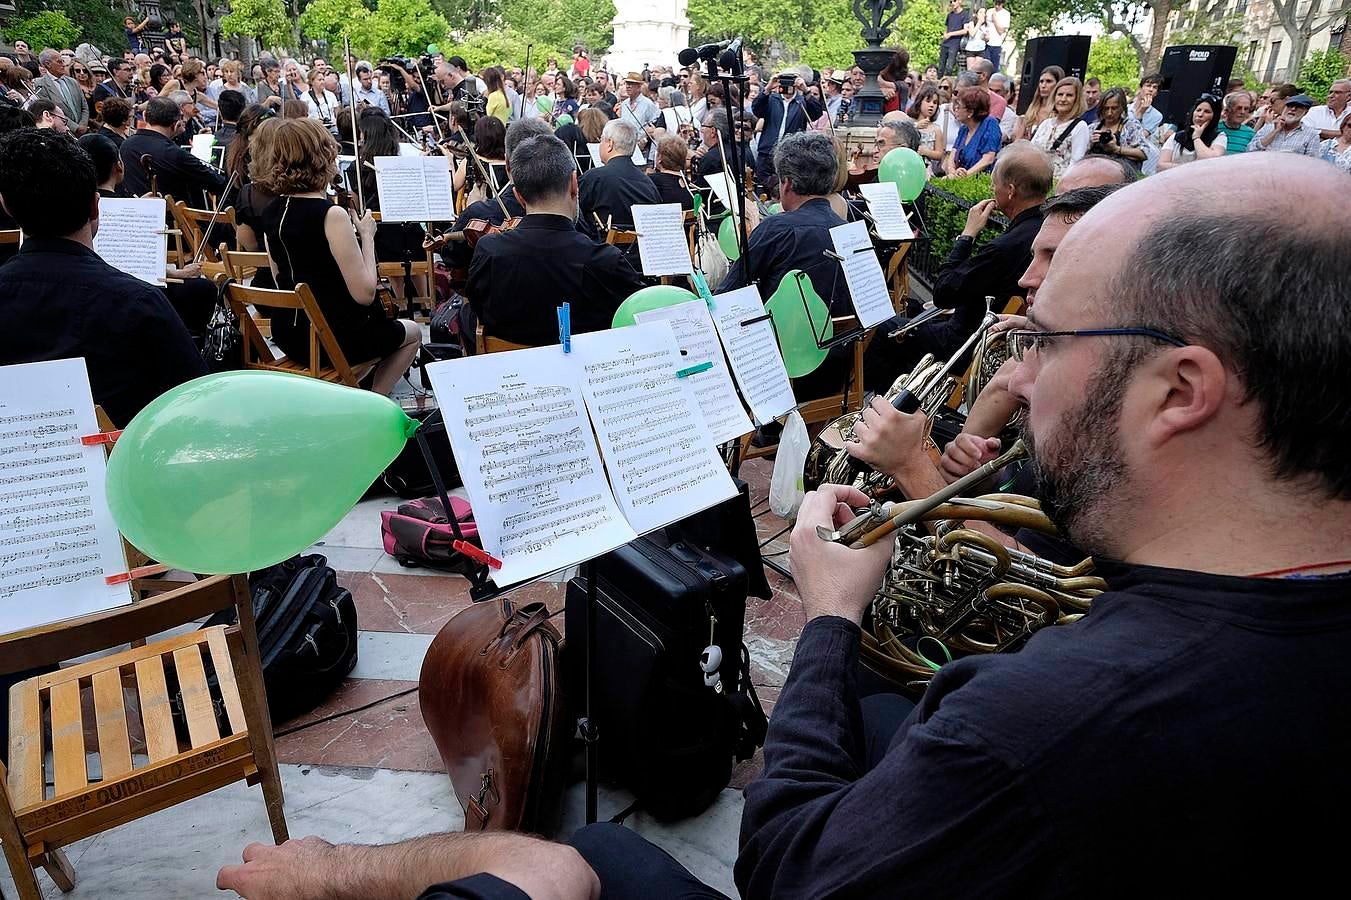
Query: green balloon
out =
(240, 470)
(727, 239)
(775, 208)
(657, 296)
(433, 49)
(905, 168)
(800, 315)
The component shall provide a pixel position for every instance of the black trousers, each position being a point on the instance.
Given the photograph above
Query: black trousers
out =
(630, 866)
(951, 60)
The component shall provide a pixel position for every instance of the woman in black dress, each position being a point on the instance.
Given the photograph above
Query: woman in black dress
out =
(669, 178)
(311, 240)
(250, 198)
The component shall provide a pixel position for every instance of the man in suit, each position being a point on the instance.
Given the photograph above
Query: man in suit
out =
(513, 295)
(785, 111)
(608, 191)
(55, 85)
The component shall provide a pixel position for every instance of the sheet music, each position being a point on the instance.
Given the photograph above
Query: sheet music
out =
(662, 243)
(884, 202)
(662, 461)
(57, 538)
(724, 188)
(754, 354)
(675, 116)
(863, 273)
(201, 146)
(131, 237)
(594, 150)
(523, 443)
(414, 189)
(714, 391)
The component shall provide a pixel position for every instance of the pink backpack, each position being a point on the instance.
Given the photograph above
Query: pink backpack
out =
(418, 533)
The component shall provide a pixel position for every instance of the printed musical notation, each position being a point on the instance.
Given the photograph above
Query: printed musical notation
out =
(414, 189)
(863, 273)
(884, 202)
(57, 537)
(523, 442)
(131, 237)
(713, 389)
(661, 457)
(754, 354)
(663, 245)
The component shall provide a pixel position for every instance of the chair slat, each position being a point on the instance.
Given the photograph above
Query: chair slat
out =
(110, 715)
(158, 720)
(25, 745)
(225, 676)
(202, 728)
(68, 763)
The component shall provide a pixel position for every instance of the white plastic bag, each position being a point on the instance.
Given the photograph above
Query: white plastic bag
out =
(785, 485)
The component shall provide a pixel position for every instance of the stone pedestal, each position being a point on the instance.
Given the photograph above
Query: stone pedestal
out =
(866, 110)
(648, 33)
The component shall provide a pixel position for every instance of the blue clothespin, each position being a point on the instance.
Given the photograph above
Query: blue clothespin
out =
(565, 326)
(701, 286)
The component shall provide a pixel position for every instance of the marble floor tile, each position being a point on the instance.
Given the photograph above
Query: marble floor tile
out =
(348, 559)
(403, 603)
(379, 734)
(390, 655)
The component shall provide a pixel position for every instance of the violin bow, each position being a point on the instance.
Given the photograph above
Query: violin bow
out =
(352, 104)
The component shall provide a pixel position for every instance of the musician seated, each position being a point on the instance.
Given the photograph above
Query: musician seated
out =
(176, 171)
(310, 240)
(490, 137)
(669, 178)
(608, 192)
(1021, 181)
(63, 301)
(493, 210)
(518, 278)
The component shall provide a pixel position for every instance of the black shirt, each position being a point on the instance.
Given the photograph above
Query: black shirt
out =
(795, 240)
(114, 136)
(1188, 737)
(180, 174)
(967, 278)
(475, 887)
(457, 254)
(519, 278)
(672, 189)
(63, 301)
(954, 22)
(607, 192)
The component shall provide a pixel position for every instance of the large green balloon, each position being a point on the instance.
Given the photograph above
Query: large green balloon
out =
(655, 297)
(236, 471)
(905, 168)
(797, 331)
(727, 239)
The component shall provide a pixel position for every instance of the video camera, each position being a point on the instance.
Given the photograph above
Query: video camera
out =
(392, 66)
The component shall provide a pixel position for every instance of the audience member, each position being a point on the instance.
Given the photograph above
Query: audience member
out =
(62, 90)
(1288, 134)
(978, 139)
(1234, 123)
(1064, 135)
(1202, 140)
(1327, 119)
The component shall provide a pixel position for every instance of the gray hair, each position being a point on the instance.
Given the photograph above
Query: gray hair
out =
(1003, 80)
(179, 97)
(677, 97)
(46, 56)
(622, 134)
(718, 120)
(902, 133)
(524, 129)
(541, 168)
(982, 65)
(1229, 97)
(967, 78)
(807, 160)
(1027, 168)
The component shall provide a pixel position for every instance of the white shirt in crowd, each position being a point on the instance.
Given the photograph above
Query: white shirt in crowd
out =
(1322, 118)
(997, 27)
(323, 106)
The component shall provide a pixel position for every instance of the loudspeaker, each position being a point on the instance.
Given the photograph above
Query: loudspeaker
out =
(1068, 51)
(1188, 72)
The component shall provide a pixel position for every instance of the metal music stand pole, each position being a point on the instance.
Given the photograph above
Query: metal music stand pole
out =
(589, 729)
(735, 113)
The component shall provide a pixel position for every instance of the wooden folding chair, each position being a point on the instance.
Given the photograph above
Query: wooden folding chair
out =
(620, 237)
(423, 272)
(488, 344)
(898, 279)
(9, 236)
(258, 354)
(193, 224)
(224, 734)
(242, 265)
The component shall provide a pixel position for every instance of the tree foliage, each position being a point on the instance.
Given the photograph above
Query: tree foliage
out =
(94, 21)
(561, 24)
(1319, 71)
(401, 28)
(1113, 61)
(44, 29)
(503, 46)
(331, 20)
(920, 30)
(265, 20)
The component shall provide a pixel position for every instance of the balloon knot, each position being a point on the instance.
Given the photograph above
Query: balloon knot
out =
(411, 425)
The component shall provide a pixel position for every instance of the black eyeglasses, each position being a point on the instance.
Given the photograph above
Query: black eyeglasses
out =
(1020, 343)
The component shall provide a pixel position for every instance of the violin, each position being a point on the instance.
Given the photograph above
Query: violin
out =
(473, 231)
(862, 168)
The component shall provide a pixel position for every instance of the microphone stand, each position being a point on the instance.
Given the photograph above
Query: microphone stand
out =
(735, 74)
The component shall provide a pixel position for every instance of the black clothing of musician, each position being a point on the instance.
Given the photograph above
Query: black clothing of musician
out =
(457, 254)
(962, 285)
(607, 192)
(63, 301)
(672, 189)
(178, 173)
(296, 241)
(518, 278)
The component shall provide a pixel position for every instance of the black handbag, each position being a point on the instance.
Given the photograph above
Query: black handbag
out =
(668, 729)
(223, 347)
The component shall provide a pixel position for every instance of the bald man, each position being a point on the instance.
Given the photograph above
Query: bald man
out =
(1094, 171)
(1185, 429)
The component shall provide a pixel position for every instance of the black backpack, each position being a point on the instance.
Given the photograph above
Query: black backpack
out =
(307, 633)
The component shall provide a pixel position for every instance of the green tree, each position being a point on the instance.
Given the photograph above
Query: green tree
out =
(262, 19)
(1319, 71)
(44, 29)
(561, 23)
(920, 30)
(401, 27)
(331, 20)
(1113, 61)
(501, 46)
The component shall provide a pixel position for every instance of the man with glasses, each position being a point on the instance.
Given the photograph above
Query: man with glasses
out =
(57, 86)
(118, 84)
(48, 115)
(1327, 119)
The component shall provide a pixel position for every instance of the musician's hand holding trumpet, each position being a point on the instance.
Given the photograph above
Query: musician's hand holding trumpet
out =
(832, 579)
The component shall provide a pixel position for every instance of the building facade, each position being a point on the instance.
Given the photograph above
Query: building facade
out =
(1264, 46)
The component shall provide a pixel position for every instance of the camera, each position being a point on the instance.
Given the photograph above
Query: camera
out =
(1102, 137)
(787, 81)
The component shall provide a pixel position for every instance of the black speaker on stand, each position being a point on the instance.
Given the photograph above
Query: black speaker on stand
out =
(1068, 51)
(1188, 71)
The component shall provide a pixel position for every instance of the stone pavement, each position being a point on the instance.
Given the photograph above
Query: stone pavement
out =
(362, 767)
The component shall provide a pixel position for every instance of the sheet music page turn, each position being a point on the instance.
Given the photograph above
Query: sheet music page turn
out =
(662, 242)
(523, 443)
(131, 237)
(697, 336)
(754, 354)
(57, 538)
(884, 202)
(661, 458)
(863, 273)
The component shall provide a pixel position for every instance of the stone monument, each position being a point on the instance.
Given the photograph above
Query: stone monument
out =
(877, 17)
(648, 33)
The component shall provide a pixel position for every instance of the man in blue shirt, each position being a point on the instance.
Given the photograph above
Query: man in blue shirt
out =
(954, 32)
